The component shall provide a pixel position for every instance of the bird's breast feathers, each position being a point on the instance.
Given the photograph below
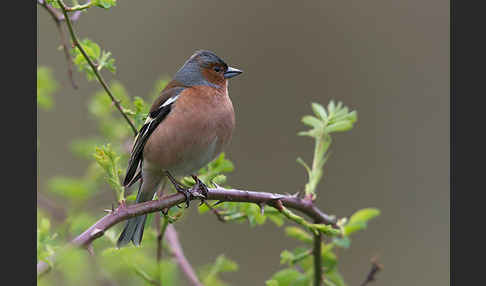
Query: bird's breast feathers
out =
(199, 125)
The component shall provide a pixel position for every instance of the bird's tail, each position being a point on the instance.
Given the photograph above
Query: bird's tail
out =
(133, 230)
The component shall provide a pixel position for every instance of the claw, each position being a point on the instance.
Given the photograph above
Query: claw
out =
(200, 185)
(180, 189)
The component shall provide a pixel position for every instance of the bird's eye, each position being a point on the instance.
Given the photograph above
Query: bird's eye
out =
(217, 69)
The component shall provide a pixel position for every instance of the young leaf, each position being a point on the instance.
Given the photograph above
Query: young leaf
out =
(210, 273)
(107, 4)
(359, 220)
(299, 234)
(312, 121)
(108, 160)
(319, 110)
(285, 277)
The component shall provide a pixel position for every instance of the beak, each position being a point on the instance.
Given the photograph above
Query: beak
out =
(231, 72)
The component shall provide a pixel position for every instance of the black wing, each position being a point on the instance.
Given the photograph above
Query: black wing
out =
(136, 157)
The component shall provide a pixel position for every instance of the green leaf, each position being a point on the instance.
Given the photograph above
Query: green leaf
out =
(329, 259)
(339, 127)
(334, 278)
(107, 4)
(210, 274)
(359, 220)
(319, 110)
(331, 106)
(46, 86)
(312, 121)
(303, 163)
(343, 242)
(108, 160)
(53, 3)
(141, 111)
(364, 215)
(286, 257)
(203, 208)
(298, 233)
(276, 217)
(101, 59)
(285, 277)
(45, 240)
(271, 283)
(290, 258)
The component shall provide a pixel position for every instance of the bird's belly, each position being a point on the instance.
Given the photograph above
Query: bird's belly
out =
(191, 162)
(186, 140)
(183, 153)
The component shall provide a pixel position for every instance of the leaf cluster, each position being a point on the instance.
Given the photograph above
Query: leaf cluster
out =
(337, 118)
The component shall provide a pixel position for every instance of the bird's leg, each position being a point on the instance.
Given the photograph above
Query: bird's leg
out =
(180, 188)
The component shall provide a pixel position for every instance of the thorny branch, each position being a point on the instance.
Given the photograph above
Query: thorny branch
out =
(58, 19)
(229, 195)
(76, 42)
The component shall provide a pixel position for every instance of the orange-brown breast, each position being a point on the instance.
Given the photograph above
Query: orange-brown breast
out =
(196, 130)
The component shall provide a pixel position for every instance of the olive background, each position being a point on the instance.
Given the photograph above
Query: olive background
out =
(389, 60)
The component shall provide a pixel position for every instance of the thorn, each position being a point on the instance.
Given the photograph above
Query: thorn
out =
(216, 185)
(165, 211)
(296, 195)
(217, 203)
(262, 208)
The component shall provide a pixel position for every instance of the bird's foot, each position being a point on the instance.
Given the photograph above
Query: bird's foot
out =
(180, 189)
(199, 189)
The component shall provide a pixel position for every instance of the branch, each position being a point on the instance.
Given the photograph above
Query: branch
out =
(58, 18)
(317, 260)
(176, 249)
(76, 42)
(230, 195)
(375, 267)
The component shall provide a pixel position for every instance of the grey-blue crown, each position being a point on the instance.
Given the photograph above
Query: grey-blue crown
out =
(190, 73)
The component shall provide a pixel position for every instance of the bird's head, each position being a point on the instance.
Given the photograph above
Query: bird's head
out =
(205, 68)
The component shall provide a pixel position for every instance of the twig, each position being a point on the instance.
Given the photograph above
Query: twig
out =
(215, 212)
(57, 211)
(315, 228)
(317, 260)
(176, 249)
(76, 42)
(375, 267)
(58, 18)
(219, 193)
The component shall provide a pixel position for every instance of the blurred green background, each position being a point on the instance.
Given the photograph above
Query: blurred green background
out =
(389, 60)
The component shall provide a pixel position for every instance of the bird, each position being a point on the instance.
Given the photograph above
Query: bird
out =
(187, 126)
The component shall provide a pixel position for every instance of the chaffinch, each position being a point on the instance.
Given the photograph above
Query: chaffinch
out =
(187, 126)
